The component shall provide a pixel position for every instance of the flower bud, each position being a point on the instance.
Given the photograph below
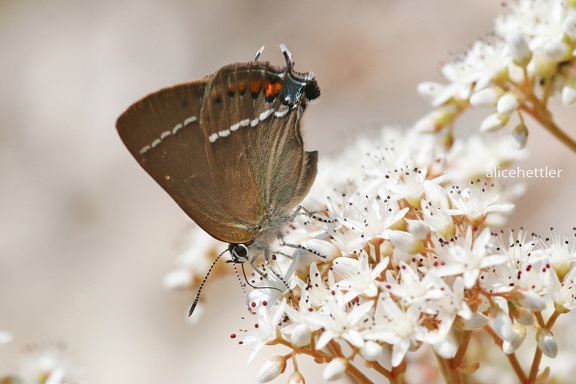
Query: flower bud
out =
(529, 299)
(519, 334)
(570, 26)
(524, 316)
(507, 104)
(301, 335)
(569, 92)
(271, 369)
(521, 54)
(487, 97)
(371, 351)
(546, 342)
(477, 321)
(558, 51)
(335, 369)
(501, 323)
(435, 120)
(296, 378)
(520, 135)
(494, 122)
(418, 228)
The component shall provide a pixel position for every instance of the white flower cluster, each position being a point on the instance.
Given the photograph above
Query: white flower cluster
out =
(529, 58)
(44, 364)
(408, 261)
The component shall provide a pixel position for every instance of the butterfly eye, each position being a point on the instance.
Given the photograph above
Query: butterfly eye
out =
(239, 253)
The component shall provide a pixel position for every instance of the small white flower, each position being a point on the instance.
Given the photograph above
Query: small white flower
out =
(561, 252)
(267, 329)
(475, 202)
(460, 75)
(469, 259)
(490, 60)
(316, 293)
(47, 363)
(371, 222)
(564, 294)
(399, 327)
(339, 321)
(358, 277)
(411, 290)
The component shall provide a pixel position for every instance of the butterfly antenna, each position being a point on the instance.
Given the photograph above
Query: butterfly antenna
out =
(242, 285)
(258, 53)
(204, 282)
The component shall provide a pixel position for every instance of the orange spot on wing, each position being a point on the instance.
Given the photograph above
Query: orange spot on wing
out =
(255, 86)
(242, 87)
(271, 89)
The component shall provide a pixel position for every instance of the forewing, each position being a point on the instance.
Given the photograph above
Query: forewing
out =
(163, 133)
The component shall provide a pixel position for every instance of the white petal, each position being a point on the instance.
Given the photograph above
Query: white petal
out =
(335, 369)
(399, 351)
(494, 122)
(487, 97)
(511, 346)
(271, 369)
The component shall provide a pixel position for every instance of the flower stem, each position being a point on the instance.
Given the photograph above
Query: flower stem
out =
(544, 117)
(535, 365)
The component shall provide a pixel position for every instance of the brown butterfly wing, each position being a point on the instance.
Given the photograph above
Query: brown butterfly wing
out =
(163, 133)
(226, 148)
(256, 152)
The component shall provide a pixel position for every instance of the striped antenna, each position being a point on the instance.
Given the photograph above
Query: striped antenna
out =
(202, 284)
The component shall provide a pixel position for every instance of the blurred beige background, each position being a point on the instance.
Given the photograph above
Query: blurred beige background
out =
(86, 236)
